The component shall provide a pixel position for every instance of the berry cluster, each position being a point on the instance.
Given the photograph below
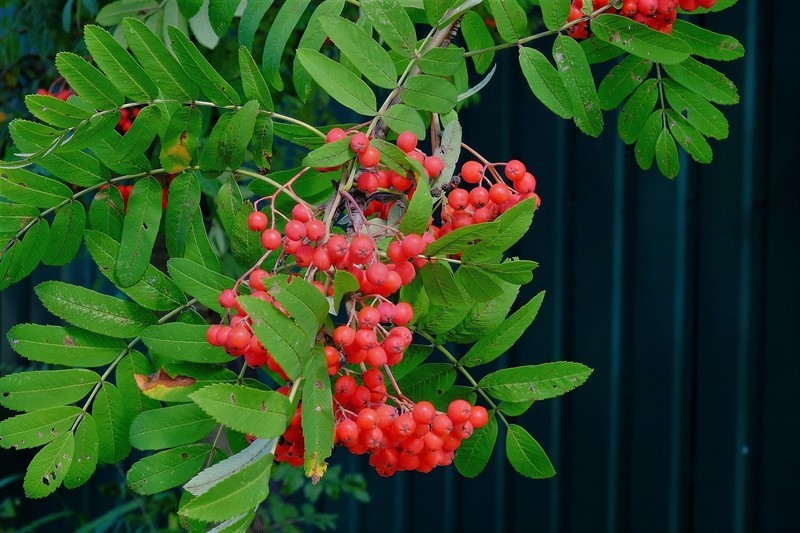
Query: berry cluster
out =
(369, 417)
(657, 14)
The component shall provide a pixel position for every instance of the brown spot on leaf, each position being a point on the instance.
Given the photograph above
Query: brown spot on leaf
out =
(317, 384)
(162, 379)
(68, 341)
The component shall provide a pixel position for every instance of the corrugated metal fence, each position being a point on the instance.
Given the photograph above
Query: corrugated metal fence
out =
(683, 296)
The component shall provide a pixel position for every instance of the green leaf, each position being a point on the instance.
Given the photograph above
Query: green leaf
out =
(393, 24)
(511, 227)
(281, 336)
(420, 208)
(477, 37)
(442, 61)
(459, 240)
(449, 151)
(313, 37)
(667, 154)
(474, 453)
(483, 317)
(330, 154)
(171, 426)
(139, 231)
(279, 33)
(429, 93)
(179, 144)
(107, 212)
(135, 402)
(623, 79)
(526, 455)
(220, 14)
(554, 13)
(49, 467)
(646, 145)
(167, 469)
(183, 342)
(245, 244)
(534, 382)
(480, 285)
(317, 415)
(577, 78)
(23, 257)
(343, 283)
(227, 144)
(238, 493)
(636, 111)
(400, 118)
(397, 160)
(113, 13)
(108, 150)
(94, 311)
(510, 19)
(440, 285)
(705, 81)
(344, 86)
(689, 138)
(361, 49)
(14, 217)
(254, 12)
(702, 115)
(639, 39)
(515, 408)
(218, 472)
(304, 302)
(30, 391)
(497, 342)
(63, 346)
(706, 43)
(414, 355)
(66, 234)
(154, 291)
(24, 187)
(88, 82)
(31, 136)
(125, 73)
(211, 83)
(435, 10)
(87, 447)
(253, 83)
(427, 381)
(261, 143)
(198, 247)
(183, 204)
(157, 61)
(139, 138)
(545, 82)
(512, 271)
(55, 111)
(442, 399)
(199, 281)
(113, 424)
(30, 430)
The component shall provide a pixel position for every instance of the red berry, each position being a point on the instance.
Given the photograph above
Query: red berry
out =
(403, 314)
(498, 193)
(368, 317)
(270, 239)
(478, 197)
(433, 165)
(458, 411)
(361, 249)
(366, 339)
(296, 230)
(257, 278)
(359, 142)
(335, 134)
(369, 157)
(458, 199)
(423, 412)
(407, 141)
(227, 298)
(472, 172)
(301, 213)
(377, 273)
(344, 336)
(322, 259)
(367, 182)
(478, 417)
(413, 245)
(238, 339)
(257, 221)
(514, 170)
(315, 230)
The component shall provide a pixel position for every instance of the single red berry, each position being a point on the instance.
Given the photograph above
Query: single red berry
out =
(377, 273)
(458, 411)
(499, 193)
(257, 221)
(270, 239)
(335, 134)
(238, 339)
(403, 314)
(344, 336)
(366, 339)
(423, 412)
(458, 199)
(514, 170)
(367, 182)
(472, 172)
(301, 213)
(295, 230)
(368, 317)
(304, 256)
(413, 245)
(347, 431)
(322, 259)
(361, 249)
(227, 298)
(359, 142)
(433, 165)
(211, 334)
(257, 278)
(376, 357)
(478, 417)
(407, 141)
(315, 230)
(478, 197)
(369, 157)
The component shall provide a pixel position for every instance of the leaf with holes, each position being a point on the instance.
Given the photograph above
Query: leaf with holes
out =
(49, 467)
(30, 430)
